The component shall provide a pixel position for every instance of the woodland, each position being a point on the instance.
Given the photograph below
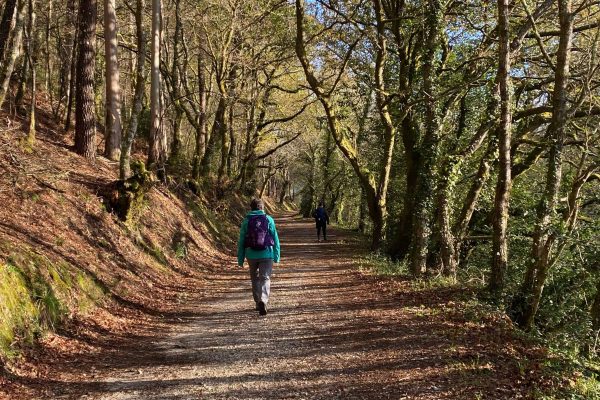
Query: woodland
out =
(460, 137)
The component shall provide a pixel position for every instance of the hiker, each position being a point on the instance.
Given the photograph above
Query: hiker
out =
(259, 244)
(322, 219)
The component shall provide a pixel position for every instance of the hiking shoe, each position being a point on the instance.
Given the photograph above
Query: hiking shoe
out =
(262, 308)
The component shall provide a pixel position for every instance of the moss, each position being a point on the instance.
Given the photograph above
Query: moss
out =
(180, 245)
(380, 265)
(36, 296)
(19, 315)
(158, 254)
(155, 251)
(125, 198)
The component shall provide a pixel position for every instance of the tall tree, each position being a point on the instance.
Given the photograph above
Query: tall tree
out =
(138, 98)
(503, 132)
(31, 60)
(429, 148)
(201, 127)
(157, 149)
(12, 50)
(85, 115)
(6, 24)
(112, 136)
(544, 237)
(72, 67)
(175, 80)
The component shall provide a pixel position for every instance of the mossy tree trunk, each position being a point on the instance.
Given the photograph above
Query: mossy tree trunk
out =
(138, 97)
(504, 182)
(544, 236)
(429, 146)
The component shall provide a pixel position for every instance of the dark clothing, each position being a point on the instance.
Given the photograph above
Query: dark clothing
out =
(324, 229)
(321, 217)
(322, 220)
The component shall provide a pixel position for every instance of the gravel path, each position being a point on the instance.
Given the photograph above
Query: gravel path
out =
(330, 333)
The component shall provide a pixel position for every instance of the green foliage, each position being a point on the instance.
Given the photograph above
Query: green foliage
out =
(382, 265)
(36, 295)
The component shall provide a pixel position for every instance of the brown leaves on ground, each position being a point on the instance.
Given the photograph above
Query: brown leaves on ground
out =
(186, 328)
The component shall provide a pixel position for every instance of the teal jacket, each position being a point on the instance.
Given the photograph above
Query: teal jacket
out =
(247, 252)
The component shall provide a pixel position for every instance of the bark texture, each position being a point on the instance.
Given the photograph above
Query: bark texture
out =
(138, 99)
(112, 136)
(544, 236)
(503, 186)
(157, 149)
(429, 147)
(85, 115)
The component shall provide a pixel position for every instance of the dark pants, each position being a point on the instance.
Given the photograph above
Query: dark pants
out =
(322, 227)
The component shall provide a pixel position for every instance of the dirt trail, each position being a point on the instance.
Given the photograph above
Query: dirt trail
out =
(330, 333)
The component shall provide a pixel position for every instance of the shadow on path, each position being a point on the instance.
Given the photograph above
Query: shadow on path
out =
(330, 333)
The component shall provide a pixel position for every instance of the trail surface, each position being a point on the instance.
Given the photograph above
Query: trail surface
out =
(330, 333)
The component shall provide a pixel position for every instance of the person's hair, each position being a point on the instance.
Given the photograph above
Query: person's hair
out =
(321, 204)
(257, 204)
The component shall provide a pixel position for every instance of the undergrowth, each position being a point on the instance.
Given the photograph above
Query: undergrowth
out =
(37, 295)
(579, 379)
(379, 264)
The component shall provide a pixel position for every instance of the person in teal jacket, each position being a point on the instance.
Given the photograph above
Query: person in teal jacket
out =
(260, 262)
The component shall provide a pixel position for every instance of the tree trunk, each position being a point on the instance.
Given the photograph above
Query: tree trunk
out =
(66, 53)
(176, 146)
(138, 98)
(73, 75)
(362, 212)
(24, 76)
(12, 51)
(6, 24)
(48, 76)
(225, 145)
(389, 133)
(215, 135)
(461, 225)
(429, 147)
(449, 176)
(231, 156)
(266, 180)
(595, 310)
(156, 154)
(31, 60)
(544, 237)
(284, 189)
(400, 246)
(85, 115)
(503, 186)
(201, 127)
(177, 143)
(224, 138)
(112, 135)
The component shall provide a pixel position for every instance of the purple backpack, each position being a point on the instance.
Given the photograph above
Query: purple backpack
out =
(258, 236)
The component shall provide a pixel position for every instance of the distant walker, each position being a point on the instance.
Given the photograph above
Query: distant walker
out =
(322, 220)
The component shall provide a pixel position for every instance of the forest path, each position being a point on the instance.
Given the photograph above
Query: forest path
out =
(330, 333)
